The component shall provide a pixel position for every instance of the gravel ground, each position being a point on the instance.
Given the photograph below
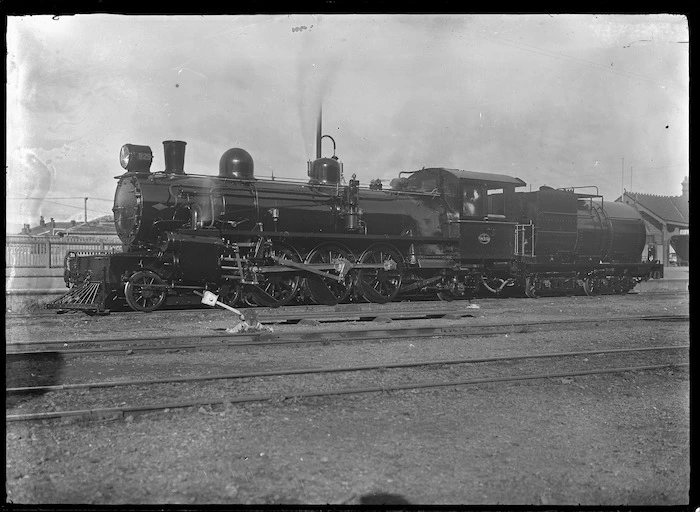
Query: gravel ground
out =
(483, 311)
(226, 361)
(617, 439)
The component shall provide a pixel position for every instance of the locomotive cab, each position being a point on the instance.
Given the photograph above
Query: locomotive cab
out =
(487, 223)
(477, 208)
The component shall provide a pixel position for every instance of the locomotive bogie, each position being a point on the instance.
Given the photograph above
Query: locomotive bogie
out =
(551, 283)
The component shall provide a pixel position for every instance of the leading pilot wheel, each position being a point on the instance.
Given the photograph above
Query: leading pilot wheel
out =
(145, 291)
(380, 284)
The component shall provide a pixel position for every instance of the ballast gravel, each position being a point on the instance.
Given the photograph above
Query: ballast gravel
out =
(613, 439)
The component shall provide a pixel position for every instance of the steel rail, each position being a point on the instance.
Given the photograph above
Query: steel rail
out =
(266, 317)
(343, 391)
(295, 312)
(351, 315)
(308, 310)
(336, 369)
(243, 339)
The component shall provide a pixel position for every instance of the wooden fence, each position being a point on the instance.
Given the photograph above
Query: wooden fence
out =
(49, 252)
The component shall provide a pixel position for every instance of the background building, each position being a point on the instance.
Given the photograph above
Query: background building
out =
(667, 220)
(45, 245)
(101, 228)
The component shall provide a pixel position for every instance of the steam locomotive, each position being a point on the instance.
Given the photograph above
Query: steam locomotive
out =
(271, 242)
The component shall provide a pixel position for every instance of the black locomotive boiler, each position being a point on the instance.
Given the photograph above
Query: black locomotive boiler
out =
(272, 242)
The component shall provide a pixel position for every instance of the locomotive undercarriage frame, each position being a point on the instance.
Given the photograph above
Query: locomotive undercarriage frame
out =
(269, 271)
(272, 269)
(327, 274)
(370, 274)
(373, 268)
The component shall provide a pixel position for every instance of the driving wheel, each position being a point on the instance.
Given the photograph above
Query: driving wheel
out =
(275, 289)
(326, 291)
(380, 284)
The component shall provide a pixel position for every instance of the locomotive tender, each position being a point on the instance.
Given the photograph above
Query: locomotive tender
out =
(271, 242)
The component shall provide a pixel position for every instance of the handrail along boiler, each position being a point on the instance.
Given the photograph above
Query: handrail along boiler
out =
(271, 242)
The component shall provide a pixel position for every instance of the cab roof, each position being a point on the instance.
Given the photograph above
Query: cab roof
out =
(491, 180)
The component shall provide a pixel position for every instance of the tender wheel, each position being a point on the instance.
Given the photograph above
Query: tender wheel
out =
(145, 291)
(530, 287)
(592, 285)
(380, 284)
(328, 292)
(277, 289)
(623, 285)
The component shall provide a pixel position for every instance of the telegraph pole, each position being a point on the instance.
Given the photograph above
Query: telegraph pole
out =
(623, 177)
(86, 210)
(631, 172)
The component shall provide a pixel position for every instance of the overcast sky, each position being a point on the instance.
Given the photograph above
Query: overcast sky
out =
(557, 100)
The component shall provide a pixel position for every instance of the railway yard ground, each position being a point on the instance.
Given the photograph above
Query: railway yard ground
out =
(333, 407)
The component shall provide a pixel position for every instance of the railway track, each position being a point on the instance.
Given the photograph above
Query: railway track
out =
(128, 394)
(218, 339)
(568, 367)
(299, 314)
(291, 314)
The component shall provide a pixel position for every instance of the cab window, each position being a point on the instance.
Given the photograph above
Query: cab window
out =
(497, 202)
(472, 201)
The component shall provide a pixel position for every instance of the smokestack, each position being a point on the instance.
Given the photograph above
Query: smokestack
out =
(318, 133)
(174, 156)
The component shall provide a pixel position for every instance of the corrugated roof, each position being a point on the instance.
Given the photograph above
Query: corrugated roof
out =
(669, 208)
(683, 206)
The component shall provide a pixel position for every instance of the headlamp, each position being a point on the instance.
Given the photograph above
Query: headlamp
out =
(135, 158)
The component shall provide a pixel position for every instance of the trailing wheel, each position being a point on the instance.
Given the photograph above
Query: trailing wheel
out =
(277, 289)
(382, 283)
(145, 291)
(325, 291)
